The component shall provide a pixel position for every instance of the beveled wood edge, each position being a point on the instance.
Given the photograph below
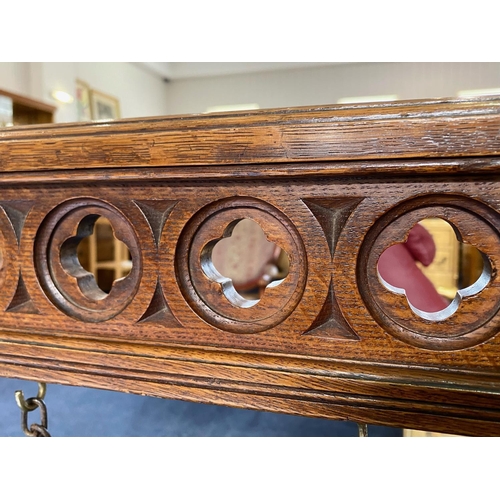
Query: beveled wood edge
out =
(483, 166)
(403, 129)
(432, 376)
(373, 393)
(410, 108)
(375, 408)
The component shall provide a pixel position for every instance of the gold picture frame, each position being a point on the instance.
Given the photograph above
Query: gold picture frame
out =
(84, 112)
(104, 107)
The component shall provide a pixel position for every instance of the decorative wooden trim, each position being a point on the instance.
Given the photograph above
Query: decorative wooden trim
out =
(333, 186)
(441, 128)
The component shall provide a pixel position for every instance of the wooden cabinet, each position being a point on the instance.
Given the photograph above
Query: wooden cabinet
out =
(27, 111)
(106, 257)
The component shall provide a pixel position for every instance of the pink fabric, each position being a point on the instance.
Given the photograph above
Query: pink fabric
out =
(397, 266)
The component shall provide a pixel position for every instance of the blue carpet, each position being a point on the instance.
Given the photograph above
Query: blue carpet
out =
(82, 412)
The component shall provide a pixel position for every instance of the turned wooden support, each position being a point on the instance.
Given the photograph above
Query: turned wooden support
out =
(333, 187)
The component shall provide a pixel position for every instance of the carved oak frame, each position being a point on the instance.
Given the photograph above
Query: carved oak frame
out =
(333, 185)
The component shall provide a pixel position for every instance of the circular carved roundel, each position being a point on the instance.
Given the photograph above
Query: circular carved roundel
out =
(67, 284)
(476, 318)
(206, 296)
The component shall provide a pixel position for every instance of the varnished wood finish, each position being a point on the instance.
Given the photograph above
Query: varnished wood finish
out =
(332, 186)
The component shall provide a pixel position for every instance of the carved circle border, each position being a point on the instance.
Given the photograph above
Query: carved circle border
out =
(9, 268)
(61, 288)
(205, 297)
(460, 330)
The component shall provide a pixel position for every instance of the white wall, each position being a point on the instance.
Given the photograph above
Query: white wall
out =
(15, 77)
(326, 84)
(140, 92)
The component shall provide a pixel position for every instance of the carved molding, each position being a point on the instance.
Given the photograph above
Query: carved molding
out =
(333, 187)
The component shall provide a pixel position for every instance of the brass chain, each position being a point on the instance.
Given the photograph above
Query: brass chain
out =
(30, 404)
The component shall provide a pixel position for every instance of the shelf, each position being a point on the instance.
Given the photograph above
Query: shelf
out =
(28, 111)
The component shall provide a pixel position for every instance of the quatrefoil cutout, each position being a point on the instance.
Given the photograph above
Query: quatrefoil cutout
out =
(244, 262)
(88, 280)
(400, 271)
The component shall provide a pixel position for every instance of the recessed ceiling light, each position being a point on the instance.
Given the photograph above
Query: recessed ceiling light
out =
(232, 107)
(368, 98)
(61, 96)
(478, 92)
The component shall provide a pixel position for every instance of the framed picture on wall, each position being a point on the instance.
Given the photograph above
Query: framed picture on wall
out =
(84, 113)
(104, 107)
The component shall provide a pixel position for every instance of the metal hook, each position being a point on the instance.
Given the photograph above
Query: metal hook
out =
(23, 404)
(363, 430)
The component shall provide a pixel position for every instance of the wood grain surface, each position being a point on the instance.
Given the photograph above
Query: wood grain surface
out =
(332, 186)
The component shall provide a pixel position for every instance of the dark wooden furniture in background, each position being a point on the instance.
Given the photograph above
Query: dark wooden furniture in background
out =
(333, 186)
(27, 111)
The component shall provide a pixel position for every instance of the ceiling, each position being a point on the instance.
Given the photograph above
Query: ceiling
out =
(181, 70)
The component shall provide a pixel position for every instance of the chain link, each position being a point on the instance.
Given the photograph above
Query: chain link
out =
(29, 405)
